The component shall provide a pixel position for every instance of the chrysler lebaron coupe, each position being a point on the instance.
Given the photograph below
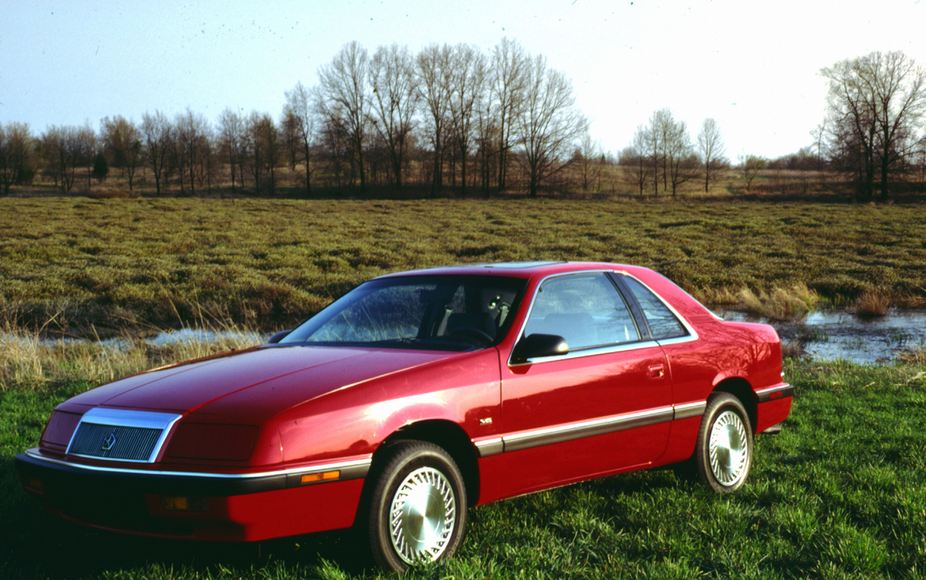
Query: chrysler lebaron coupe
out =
(412, 398)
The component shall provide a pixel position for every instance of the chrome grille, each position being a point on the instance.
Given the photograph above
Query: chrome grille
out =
(121, 434)
(110, 442)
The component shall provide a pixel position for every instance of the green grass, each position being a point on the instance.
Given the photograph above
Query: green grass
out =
(840, 493)
(95, 267)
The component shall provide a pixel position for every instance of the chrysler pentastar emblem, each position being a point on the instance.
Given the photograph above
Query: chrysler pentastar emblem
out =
(109, 442)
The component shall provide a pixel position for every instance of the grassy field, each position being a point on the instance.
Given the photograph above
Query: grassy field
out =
(97, 267)
(840, 493)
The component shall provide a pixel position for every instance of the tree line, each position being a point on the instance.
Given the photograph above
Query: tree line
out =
(447, 116)
(461, 118)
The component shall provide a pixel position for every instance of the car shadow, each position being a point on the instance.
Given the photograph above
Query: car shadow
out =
(85, 552)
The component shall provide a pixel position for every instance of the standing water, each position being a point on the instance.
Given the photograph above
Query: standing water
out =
(837, 334)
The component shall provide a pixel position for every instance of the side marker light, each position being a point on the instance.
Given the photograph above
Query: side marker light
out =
(316, 477)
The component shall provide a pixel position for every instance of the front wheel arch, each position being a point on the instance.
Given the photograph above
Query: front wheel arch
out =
(450, 437)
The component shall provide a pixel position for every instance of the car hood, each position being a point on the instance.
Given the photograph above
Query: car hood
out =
(314, 371)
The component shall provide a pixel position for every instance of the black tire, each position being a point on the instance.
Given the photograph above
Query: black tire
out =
(419, 487)
(723, 452)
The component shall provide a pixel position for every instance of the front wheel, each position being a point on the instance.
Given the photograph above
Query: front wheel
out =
(417, 507)
(723, 453)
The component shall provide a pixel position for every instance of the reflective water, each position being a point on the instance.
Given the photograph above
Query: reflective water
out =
(837, 334)
(168, 338)
(201, 335)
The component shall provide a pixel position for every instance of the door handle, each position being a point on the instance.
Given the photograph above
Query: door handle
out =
(657, 371)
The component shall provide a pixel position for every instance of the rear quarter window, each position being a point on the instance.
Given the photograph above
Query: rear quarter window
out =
(662, 322)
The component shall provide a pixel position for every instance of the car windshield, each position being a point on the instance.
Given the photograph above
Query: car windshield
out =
(421, 312)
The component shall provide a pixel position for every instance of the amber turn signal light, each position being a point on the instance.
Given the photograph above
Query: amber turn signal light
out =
(33, 484)
(325, 476)
(184, 504)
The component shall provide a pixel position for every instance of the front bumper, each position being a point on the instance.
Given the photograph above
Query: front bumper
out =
(222, 507)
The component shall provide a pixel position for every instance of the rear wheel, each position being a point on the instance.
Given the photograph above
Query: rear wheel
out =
(417, 507)
(723, 453)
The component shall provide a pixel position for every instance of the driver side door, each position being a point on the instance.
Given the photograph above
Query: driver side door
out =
(604, 407)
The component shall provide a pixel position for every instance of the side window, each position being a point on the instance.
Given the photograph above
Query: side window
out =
(585, 309)
(662, 323)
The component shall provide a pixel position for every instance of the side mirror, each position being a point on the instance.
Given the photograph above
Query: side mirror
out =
(278, 336)
(537, 346)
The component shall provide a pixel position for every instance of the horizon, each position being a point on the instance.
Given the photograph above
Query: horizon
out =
(76, 63)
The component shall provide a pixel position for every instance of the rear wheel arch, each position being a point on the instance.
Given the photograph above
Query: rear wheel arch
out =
(742, 390)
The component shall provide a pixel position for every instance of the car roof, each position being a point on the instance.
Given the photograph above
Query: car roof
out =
(683, 302)
(516, 269)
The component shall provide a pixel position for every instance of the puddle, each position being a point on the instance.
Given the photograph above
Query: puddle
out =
(200, 335)
(837, 334)
(168, 338)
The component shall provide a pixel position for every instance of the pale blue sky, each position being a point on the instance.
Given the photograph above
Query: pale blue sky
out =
(753, 66)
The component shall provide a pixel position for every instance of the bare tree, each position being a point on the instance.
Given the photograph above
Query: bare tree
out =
(289, 135)
(85, 144)
(66, 148)
(659, 124)
(343, 85)
(434, 72)
(191, 134)
(549, 123)
(262, 150)
(395, 101)
(486, 140)
(637, 157)
(158, 134)
(299, 103)
(333, 137)
(232, 142)
(58, 162)
(682, 163)
(467, 81)
(588, 158)
(122, 145)
(750, 165)
(254, 152)
(270, 133)
(207, 169)
(15, 154)
(875, 105)
(670, 151)
(711, 150)
(509, 73)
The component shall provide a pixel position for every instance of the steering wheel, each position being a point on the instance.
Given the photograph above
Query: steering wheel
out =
(472, 333)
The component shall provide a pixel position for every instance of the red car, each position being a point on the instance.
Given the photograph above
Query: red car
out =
(412, 398)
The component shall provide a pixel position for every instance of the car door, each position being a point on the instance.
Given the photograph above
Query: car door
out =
(604, 407)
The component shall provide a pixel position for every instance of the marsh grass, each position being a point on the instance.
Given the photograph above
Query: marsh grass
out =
(30, 362)
(780, 303)
(915, 355)
(840, 493)
(96, 267)
(872, 303)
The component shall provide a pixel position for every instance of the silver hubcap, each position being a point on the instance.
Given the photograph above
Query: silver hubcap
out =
(728, 448)
(422, 516)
